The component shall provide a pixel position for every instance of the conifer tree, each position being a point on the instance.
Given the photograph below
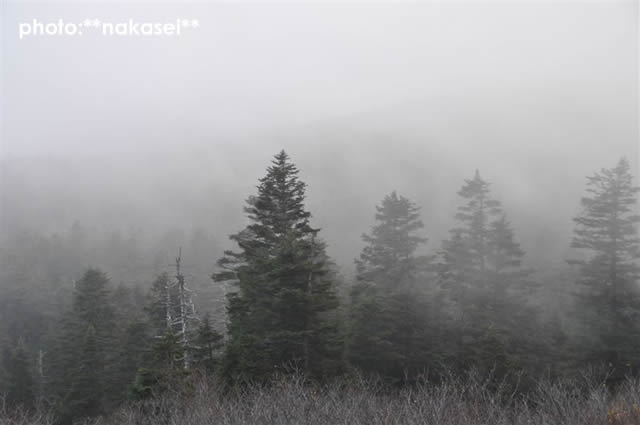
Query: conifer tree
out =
(134, 352)
(85, 397)
(483, 275)
(207, 342)
(84, 356)
(607, 230)
(172, 321)
(279, 312)
(164, 349)
(389, 258)
(389, 312)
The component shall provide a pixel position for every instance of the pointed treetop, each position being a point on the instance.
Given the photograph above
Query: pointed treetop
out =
(281, 159)
(609, 212)
(393, 238)
(477, 188)
(622, 167)
(282, 155)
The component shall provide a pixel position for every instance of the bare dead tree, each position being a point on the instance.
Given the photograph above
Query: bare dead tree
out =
(187, 312)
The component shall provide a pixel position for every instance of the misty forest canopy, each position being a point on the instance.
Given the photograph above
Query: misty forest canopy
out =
(80, 342)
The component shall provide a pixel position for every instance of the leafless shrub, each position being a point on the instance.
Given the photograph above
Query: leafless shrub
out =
(21, 416)
(469, 400)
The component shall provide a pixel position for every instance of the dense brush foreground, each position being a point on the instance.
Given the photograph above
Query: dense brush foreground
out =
(292, 400)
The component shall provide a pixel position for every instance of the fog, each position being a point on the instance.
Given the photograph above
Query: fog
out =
(155, 133)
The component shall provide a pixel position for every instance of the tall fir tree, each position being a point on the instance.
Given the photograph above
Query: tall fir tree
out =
(280, 312)
(482, 273)
(390, 327)
(83, 359)
(607, 229)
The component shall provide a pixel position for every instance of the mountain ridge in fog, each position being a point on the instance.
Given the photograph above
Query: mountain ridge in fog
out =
(423, 148)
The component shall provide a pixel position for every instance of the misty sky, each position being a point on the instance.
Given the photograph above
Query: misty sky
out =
(366, 97)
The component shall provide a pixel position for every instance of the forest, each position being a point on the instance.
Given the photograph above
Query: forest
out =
(320, 213)
(104, 327)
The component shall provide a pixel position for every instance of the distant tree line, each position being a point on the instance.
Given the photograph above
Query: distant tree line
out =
(408, 315)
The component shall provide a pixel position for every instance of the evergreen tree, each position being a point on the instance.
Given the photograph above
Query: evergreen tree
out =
(84, 357)
(483, 275)
(171, 323)
(279, 314)
(167, 352)
(390, 326)
(85, 398)
(388, 259)
(207, 343)
(607, 229)
(165, 370)
(20, 388)
(134, 352)
(162, 350)
(131, 340)
(91, 303)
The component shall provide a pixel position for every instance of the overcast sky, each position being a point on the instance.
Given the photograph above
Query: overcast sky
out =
(251, 69)
(366, 97)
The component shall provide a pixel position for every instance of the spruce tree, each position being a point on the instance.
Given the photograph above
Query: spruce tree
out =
(134, 352)
(389, 258)
(207, 342)
(130, 342)
(167, 352)
(482, 273)
(85, 397)
(607, 230)
(279, 312)
(390, 324)
(84, 357)
(91, 303)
